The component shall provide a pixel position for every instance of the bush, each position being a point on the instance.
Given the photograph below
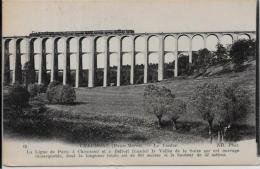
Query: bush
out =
(35, 89)
(17, 97)
(61, 94)
(240, 51)
(157, 101)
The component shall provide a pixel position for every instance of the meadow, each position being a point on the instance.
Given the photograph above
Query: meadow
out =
(115, 114)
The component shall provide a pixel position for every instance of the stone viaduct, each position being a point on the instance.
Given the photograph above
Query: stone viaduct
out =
(93, 36)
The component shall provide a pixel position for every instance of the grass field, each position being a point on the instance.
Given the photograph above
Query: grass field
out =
(117, 114)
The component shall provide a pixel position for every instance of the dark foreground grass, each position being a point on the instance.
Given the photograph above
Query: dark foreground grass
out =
(53, 124)
(115, 114)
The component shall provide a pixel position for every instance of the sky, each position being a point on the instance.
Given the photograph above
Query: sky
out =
(21, 17)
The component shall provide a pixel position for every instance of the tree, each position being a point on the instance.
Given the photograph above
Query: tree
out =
(233, 107)
(183, 64)
(239, 101)
(205, 100)
(157, 101)
(176, 109)
(203, 57)
(221, 53)
(221, 105)
(240, 51)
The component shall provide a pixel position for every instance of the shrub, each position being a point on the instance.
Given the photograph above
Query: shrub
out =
(35, 89)
(61, 94)
(51, 90)
(68, 94)
(17, 97)
(176, 109)
(157, 101)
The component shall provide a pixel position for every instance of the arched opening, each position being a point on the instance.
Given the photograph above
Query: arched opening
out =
(12, 52)
(244, 36)
(22, 54)
(12, 58)
(140, 44)
(73, 47)
(113, 44)
(113, 49)
(100, 43)
(140, 47)
(169, 65)
(125, 77)
(139, 69)
(226, 40)
(8, 62)
(169, 58)
(35, 49)
(169, 43)
(85, 67)
(99, 50)
(47, 57)
(37, 52)
(100, 61)
(183, 43)
(212, 41)
(153, 43)
(100, 69)
(21, 59)
(72, 68)
(153, 67)
(86, 47)
(113, 69)
(183, 63)
(197, 43)
(153, 58)
(169, 46)
(66, 58)
(57, 60)
(60, 57)
(127, 44)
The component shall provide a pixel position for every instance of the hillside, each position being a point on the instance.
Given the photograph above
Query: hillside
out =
(120, 109)
(117, 114)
